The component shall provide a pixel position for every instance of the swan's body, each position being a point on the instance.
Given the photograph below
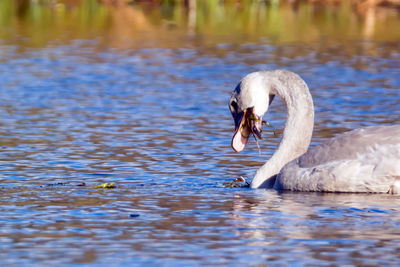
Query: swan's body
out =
(362, 160)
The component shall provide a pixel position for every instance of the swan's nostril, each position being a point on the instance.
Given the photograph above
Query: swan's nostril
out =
(255, 123)
(257, 132)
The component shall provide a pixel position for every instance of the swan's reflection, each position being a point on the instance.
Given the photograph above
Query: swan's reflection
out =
(317, 216)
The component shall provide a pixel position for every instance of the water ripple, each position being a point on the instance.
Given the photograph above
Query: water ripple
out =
(155, 122)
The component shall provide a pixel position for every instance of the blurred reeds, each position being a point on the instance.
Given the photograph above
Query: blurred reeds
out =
(358, 3)
(117, 22)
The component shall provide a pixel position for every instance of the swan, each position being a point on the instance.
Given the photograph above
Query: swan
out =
(361, 160)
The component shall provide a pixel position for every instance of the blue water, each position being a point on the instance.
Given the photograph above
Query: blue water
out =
(155, 122)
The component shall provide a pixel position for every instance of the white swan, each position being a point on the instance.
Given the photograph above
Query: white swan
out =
(362, 160)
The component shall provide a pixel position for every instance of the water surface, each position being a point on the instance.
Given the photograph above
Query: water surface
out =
(149, 113)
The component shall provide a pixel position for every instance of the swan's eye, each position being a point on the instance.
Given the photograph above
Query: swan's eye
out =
(234, 106)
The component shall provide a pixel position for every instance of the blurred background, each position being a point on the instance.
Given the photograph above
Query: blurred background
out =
(187, 23)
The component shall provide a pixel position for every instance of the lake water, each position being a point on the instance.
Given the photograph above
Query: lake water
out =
(137, 96)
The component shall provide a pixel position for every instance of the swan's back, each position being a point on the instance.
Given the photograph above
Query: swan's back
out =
(349, 144)
(362, 160)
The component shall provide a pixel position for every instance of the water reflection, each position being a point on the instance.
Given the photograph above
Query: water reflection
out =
(146, 108)
(179, 226)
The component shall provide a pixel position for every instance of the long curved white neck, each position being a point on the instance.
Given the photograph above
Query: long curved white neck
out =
(299, 124)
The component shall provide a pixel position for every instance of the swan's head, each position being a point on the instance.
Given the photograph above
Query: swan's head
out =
(249, 101)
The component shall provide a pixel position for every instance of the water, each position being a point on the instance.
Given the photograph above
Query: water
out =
(151, 116)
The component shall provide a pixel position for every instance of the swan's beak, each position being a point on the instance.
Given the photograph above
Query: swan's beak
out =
(242, 132)
(255, 125)
(246, 123)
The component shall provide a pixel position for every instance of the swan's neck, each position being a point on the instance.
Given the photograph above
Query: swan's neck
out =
(299, 124)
